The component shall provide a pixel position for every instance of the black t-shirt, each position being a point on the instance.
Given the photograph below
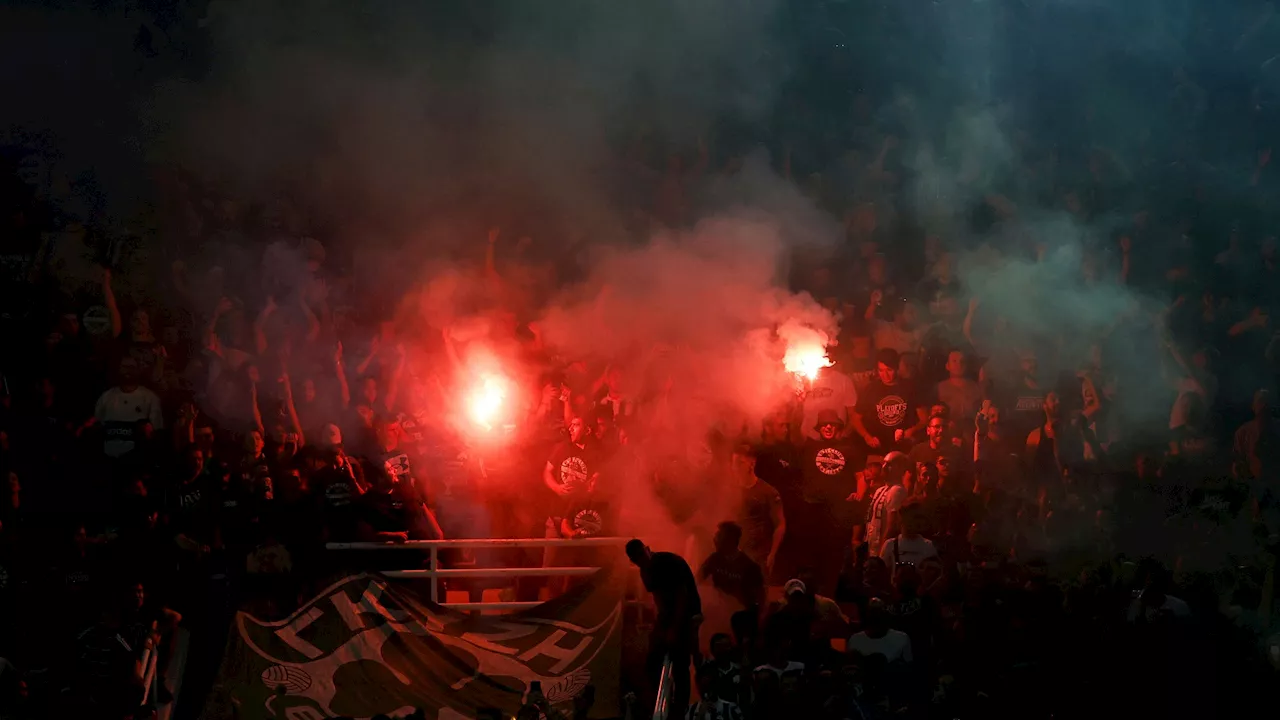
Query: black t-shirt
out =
(390, 510)
(188, 510)
(572, 466)
(394, 464)
(888, 408)
(829, 470)
(589, 513)
(779, 465)
(1028, 409)
(233, 506)
(667, 576)
(339, 498)
(922, 453)
(739, 577)
(449, 471)
(255, 478)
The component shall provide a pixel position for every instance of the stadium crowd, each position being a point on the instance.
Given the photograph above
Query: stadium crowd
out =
(964, 516)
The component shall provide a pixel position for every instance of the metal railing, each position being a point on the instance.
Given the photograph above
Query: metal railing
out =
(434, 571)
(666, 686)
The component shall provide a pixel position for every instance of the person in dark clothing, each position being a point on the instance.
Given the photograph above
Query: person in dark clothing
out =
(675, 632)
(731, 571)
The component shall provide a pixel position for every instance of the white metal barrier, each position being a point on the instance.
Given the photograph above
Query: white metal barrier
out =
(433, 569)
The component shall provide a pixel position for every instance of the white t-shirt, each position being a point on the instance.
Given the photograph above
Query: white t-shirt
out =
(120, 412)
(894, 646)
(909, 549)
(886, 499)
(831, 390)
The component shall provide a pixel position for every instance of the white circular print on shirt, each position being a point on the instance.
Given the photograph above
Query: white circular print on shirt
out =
(891, 410)
(588, 521)
(830, 461)
(573, 472)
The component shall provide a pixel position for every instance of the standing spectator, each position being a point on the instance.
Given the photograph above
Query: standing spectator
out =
(731, 571)
(882, 516)
(959, 392)
(675, 632)
(124, 409)
(891, 414)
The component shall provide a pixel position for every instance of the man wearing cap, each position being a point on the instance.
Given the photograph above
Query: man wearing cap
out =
(828, 474)
(829, 463)
(830, 391)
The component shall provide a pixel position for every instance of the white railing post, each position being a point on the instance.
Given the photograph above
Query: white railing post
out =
(435, 579)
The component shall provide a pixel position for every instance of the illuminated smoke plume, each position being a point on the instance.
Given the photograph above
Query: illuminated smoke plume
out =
(806, 349)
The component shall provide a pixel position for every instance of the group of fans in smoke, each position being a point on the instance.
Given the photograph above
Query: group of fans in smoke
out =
(900, 486)
(938, 501)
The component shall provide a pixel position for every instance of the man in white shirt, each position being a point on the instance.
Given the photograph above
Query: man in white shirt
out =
(908, 546)
(882, 516)
(878, 639)
(123, 409)
(831, 390)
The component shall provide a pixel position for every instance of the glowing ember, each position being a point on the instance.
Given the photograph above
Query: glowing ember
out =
(486, 400)
(806, 352)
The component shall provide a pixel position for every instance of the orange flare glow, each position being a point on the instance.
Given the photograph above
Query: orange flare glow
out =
(806, 361)
(486, 400)
(806, 350)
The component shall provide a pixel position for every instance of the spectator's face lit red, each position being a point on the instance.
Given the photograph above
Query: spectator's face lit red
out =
(886, 373)
(577, 430)
(935, 429)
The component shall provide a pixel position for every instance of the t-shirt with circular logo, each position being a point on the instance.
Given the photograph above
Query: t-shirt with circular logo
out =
(829, 470)
(588, 515)
(889, 408)
(572, 466)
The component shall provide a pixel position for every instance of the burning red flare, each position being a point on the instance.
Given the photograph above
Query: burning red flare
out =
(486, 400)
(806, 352)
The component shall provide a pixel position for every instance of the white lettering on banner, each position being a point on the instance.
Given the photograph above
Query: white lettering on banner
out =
(289, 633)
(550, 648)
(509, 632)
(311, 684)
(370, 603)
